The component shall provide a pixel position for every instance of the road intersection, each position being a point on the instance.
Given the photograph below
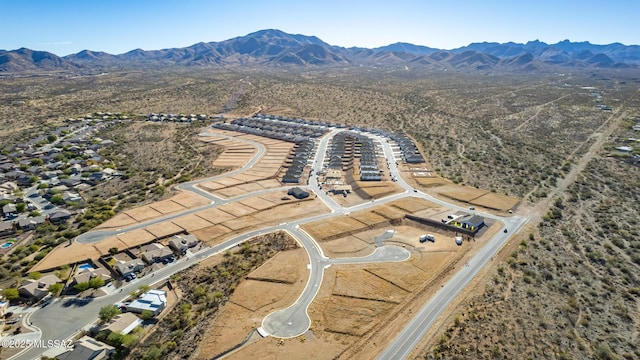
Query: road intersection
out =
(62, 319)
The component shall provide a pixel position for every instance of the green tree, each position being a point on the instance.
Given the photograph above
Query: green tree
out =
(21, 207)
(11, 293)
(113, 250)
(35, 275)
(80, 287)
(96, 282)
(36, 162)
(57, 199)
(56, 288)
(108, 312)
(51, 138)
(146, 314)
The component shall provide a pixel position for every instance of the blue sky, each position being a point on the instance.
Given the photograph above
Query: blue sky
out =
(116, 26)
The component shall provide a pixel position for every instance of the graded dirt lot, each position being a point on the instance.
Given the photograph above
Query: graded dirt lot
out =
(259, 177)
(183, 200)
(460, 193)
(359, 221)
(236, 218)
(354, 301)
(496, 201)
(274, 285)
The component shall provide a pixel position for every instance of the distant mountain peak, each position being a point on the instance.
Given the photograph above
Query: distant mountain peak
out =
(273, 47)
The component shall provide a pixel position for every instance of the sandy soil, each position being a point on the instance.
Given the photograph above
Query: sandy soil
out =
(135, 237)
(213, 235)
(65, 254)
(274, 285)
(215, 215)
(257, 203)
(164, 229)
(143, 213)
(191, 222)
(461, 193)
(116, 222)
(496, 201)
(412, 205)
(167, 206)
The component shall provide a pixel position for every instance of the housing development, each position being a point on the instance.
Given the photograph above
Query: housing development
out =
(349, 196)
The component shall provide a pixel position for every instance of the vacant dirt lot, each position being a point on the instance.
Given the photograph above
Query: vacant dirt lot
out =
(354, 302)
(181, 201)
(275, 285)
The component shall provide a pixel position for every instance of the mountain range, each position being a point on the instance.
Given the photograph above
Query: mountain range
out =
(276, 48)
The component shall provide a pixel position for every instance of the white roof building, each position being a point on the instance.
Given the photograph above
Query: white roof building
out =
(153, 300)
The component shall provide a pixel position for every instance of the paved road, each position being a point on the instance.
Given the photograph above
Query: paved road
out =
(98, 235)
(62, 319)
(404, 343)
(294, 320)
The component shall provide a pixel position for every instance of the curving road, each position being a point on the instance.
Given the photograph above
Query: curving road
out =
(62, 319)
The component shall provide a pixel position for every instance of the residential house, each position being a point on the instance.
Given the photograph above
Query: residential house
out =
(470, 222)
(75, 168)
(6, 167)
(14, 174)
(153, 300)
(71, 181)
(182, 243)
(156, 253)
(38, 289)
(9, 210)
(89, 274)
(88, 348)
(31, 223)
(24, 180)
(71, 196)
(8, 187)
(298, 193)
(34, 169)
(6, 228)
(129, 267)
(123, 323)
(59, 217)
(98, 176)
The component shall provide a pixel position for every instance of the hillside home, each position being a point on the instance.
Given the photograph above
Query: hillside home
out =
(123, 323)
(37, 289)
(87, 348)
(9, 210)
(182, 243)
(157, 253)
(59, 217)
(89, 274)
(6, 228)
(129, 267)
(153, 300)
(31, 223)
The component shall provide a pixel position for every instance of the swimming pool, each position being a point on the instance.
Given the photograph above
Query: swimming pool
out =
(6, 245)
(85, 267)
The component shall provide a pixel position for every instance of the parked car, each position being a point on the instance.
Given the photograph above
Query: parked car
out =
(505, 231)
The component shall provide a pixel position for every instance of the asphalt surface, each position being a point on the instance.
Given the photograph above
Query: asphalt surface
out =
(63, 318)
